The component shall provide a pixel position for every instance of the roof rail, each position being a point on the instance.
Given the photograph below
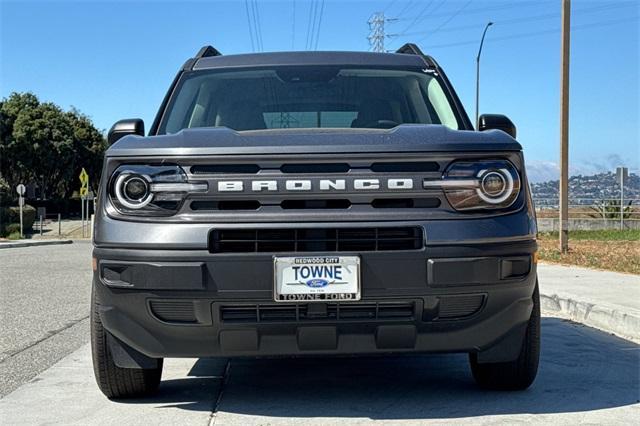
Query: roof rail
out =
(413, 49)
(410, 49)
(207, 51)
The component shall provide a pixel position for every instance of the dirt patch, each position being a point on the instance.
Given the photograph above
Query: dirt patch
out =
(620, 256)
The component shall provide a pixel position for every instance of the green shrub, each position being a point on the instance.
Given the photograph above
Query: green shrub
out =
(11, 216)
(11, 228)
(14, 236)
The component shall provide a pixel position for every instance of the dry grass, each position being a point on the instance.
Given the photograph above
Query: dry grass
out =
(611, 250)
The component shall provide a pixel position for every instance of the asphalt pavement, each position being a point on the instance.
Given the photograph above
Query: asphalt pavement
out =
(586, 375)
(44, 308)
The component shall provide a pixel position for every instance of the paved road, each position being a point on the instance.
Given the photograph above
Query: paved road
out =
(586, 376)
(44, 308)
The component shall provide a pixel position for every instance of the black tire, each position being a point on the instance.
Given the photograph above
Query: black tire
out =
(113, 381)
(518, 374)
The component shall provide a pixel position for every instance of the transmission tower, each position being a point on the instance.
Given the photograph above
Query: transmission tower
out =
(376, 32)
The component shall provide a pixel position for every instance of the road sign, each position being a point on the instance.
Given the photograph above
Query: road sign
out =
(84, 177)
(622, 174)
(20, 190)
(84, 181)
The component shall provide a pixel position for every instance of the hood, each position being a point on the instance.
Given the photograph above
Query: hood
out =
(224, 141)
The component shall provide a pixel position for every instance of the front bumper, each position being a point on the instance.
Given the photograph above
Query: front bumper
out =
(443, 298)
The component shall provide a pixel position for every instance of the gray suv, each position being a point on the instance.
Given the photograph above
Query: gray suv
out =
(313, 203)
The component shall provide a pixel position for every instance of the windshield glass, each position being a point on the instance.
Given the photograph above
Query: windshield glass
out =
(307, 97)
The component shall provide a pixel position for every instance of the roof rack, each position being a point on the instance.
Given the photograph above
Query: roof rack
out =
(207, 51)
(410, 49)
(204, 52)
(413, 49)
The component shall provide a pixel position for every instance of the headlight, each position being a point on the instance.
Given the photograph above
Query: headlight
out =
(151, 190)
(479, 185)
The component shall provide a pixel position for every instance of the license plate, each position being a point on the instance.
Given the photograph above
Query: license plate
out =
(316, 278)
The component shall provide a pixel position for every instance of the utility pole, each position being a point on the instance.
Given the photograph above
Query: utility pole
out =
(376, 32)
(564, 126)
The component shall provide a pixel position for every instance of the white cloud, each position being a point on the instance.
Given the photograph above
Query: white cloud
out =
(542, 171)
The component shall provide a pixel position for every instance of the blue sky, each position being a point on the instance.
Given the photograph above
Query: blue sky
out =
(114, 60)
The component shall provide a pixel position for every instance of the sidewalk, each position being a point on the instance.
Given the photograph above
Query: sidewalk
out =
(609, 301)
(69, 228)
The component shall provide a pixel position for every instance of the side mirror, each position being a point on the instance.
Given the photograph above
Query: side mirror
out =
(122, 128)
(497, 121)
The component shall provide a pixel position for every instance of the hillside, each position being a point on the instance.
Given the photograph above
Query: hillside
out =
(589, 188)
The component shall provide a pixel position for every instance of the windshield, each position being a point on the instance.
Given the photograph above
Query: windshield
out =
(306, 97)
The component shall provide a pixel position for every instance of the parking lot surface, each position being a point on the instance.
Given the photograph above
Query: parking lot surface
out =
(586, 375)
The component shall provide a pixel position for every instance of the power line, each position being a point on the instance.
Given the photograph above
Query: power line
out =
(390, 5)
(246, 4)
(537, 33)
(316, 10)
(257, 25)
(502, 6)
(293, 26)
(451, 18)
(313, 24)
(540, 17)
(319, 25)
(311, 19)
(418, 16)
(404, 9)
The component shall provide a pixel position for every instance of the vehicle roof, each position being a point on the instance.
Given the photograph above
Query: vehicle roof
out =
(309, 58)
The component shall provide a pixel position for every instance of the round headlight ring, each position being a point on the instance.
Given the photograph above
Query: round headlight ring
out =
(122, 194)
(500, 196)
(135, 188)
(493, 184)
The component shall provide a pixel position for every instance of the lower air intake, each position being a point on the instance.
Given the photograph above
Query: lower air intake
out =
(456, 307)
(315, 240)
(177, 311)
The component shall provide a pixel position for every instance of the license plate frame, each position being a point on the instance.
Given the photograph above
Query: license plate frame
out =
(322, 290)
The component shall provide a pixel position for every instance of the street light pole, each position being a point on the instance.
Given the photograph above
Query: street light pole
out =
(478, 71)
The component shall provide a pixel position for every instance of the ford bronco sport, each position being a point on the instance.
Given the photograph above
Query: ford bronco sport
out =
(313, 203)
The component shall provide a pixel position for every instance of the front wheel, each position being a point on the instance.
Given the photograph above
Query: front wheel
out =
(114, 381)
(517, 374)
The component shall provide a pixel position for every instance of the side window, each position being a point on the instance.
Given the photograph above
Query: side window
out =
(440, 103)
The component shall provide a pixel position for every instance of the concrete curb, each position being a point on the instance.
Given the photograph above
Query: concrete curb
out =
(32, 243)
(599, 316)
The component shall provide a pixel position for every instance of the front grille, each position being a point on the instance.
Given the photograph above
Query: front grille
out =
(315, 240)
(177, 311)
(315, 188)
(271, 313)
(321, 168)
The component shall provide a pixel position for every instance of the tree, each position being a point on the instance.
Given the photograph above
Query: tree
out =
(42, 144)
